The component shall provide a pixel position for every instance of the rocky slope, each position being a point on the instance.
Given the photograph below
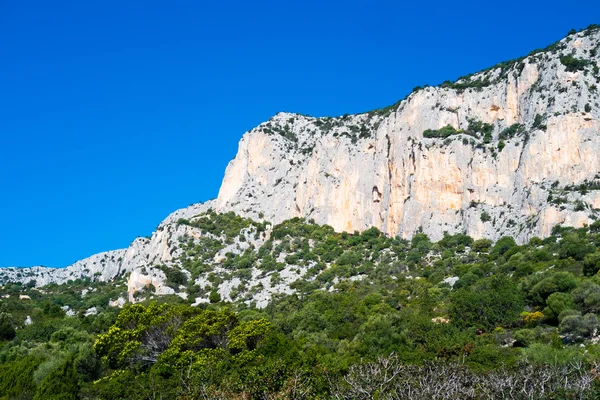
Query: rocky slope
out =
(378, 169)
(513, 150)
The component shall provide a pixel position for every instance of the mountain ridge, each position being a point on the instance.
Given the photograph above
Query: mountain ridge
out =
(401, 167)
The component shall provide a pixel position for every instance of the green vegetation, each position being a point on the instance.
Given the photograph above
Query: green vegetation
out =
(511, 313)
(480, 128)
(476, 128)
(441, 133)
(538, 123)
(227, 224)
(573, 64)
(485, 217)
(512, 131)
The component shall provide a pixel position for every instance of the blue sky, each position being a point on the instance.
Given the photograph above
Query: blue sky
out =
(115, 113)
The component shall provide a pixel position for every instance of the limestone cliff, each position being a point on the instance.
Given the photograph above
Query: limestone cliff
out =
(523, 136)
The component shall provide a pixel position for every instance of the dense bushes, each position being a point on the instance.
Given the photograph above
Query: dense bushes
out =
(503, 310)
(573, 64)
(476, 129)
(488, 303)
(228, 224)
(511, 131)
(175, 276)
(441, 133)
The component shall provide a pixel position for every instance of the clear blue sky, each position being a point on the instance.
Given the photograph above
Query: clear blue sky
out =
(115, 113)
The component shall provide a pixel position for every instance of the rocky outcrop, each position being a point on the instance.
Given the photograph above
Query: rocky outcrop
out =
(101, 266)
(106, 266)
(379, 169)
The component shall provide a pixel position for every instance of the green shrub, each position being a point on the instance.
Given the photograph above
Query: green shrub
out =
(214, 297)
(538, 123)
(511, 131)
(488, 303)
(578, 326)
(485, 217)
(573, 64)
(478, 128)
(175, 277)
(441, 133)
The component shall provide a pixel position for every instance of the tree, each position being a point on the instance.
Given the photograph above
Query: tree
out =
(481, 245)
(591, 264)
(86, 363)
(488, 303)
(173, 336)
(558, 282)
(579, 326)
(214, 297)
(573, 64)
(52, 310)
(557, 303)
(60, 384)
(575, 247)
(485, 217)
(587, 297)
(141, 334)
(16, 378)
(503, 245)
(7, 326)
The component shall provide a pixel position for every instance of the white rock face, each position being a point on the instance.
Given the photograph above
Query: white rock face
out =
(399, 181)
(145, 280)
(120, 302)
(102, 266)
(451, 280)
(90, 311)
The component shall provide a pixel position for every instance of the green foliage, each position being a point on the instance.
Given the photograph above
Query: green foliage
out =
(591, 264)
(587, 297)
(578, 326)
(175, 277)
(573, 64)
(454, 241)
(16, 378)
(489, 303)
(557, 303)
(503, 246)
(7, 326)
(441, 133)
(228, 224)
(552, 283)
(214, 297)
(485, 217)
(60, 384)
(512, 131)
(482, 245)
(538, 123)
(174, 336)
(478, 128)
(362, 296)
(575, 247)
